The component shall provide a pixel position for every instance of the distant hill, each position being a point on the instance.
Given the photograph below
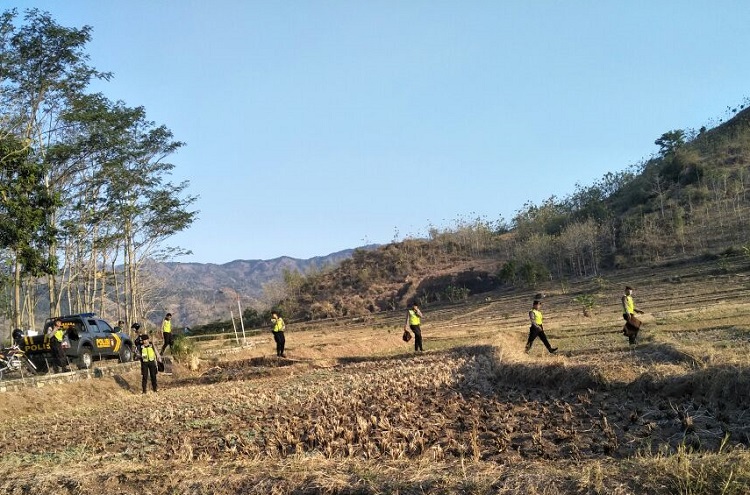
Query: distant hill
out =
(199, 293)
(691, 201)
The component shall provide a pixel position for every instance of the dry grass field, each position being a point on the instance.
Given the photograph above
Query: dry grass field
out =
(354, 410)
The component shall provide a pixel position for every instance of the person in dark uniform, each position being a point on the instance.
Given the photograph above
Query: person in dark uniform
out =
(537, 328)
(119, 327)
(18, 337)
(166, 333)
(56, 336)
(278, 333)
(138, 341)
(632, 324)
(149, 359)
(414, 322)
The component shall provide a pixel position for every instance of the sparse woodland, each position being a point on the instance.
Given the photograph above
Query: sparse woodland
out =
(85, 196)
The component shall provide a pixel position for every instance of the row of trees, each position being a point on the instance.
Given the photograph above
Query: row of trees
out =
(85, 196)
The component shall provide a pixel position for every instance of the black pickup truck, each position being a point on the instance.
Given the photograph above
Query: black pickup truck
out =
(86, 337)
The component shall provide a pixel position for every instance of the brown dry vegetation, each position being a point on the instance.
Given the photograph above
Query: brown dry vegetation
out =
(354, 411)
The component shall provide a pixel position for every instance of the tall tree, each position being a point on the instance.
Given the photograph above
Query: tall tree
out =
(43, 66)
(25, 202)
(148, 207)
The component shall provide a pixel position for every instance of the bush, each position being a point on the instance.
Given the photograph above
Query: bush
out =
(455, 294)
(587, 302)
(184, 351)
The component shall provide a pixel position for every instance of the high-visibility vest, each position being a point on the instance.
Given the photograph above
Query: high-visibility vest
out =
(278, 325)
(59, 334)
(148, 353)
(166, 327)
(414, 318)
(629, 305)
(537, 316)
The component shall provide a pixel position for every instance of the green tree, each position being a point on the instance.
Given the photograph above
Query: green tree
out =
(24, 205)
(669, 142)
(43, 66)
(136, 192)
(252, 319)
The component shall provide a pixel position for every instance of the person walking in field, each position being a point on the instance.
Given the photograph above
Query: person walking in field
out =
(149, 359)
(413, 322)
(632, 324)
(537, 328)
(278, 333)
(166, 333)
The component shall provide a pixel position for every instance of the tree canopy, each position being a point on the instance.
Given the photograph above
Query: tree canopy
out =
(86, 197)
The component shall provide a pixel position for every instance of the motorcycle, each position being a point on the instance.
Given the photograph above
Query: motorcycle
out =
(14, 359)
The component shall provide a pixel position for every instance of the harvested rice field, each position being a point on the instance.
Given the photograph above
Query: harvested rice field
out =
(353, 410)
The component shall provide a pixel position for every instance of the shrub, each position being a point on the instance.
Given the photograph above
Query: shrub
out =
(184, 351)
(587, 301)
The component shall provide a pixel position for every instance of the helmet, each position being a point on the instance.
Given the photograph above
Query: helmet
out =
(17, 334)
(136, 326)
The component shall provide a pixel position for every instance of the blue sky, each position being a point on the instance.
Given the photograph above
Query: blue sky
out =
(317, 126)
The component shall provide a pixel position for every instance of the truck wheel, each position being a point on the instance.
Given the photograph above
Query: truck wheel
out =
(126, 354)
(85, 359)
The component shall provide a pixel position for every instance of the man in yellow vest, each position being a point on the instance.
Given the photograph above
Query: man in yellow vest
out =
(537, 328)
(278, 333)
(632, 324)
(149, 359)
(414, 321)
(56, 335)
(166, 333)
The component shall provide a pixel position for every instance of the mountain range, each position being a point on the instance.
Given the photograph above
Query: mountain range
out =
(199, 293)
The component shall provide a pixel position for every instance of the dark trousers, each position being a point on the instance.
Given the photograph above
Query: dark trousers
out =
(631, 331)
(148, 368)
(280, 340)
(535, 332)
(59, 360)
(417, 337)
(168, 341)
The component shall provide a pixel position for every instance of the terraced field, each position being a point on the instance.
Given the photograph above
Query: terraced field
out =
(354, 410)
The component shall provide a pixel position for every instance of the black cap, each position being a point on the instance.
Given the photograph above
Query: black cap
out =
(135, 326)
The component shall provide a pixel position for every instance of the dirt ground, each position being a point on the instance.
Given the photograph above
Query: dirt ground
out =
(355, 410)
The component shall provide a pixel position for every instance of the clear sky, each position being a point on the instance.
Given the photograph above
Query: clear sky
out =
(317, 126)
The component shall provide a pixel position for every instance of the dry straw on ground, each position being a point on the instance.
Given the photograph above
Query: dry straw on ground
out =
(357, 411)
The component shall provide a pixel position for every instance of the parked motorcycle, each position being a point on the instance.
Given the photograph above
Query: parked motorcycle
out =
(14, 359)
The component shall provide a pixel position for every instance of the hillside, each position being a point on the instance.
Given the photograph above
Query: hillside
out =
(198, 293)
(690, 202)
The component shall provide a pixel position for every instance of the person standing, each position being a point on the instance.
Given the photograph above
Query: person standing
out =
(278, 333)
(138, 340)
(537, 328)
(149, 359)
(119, 327)
(166, 333)
(632, 324)
(414, 321)
(134, 331)
(56, 336)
